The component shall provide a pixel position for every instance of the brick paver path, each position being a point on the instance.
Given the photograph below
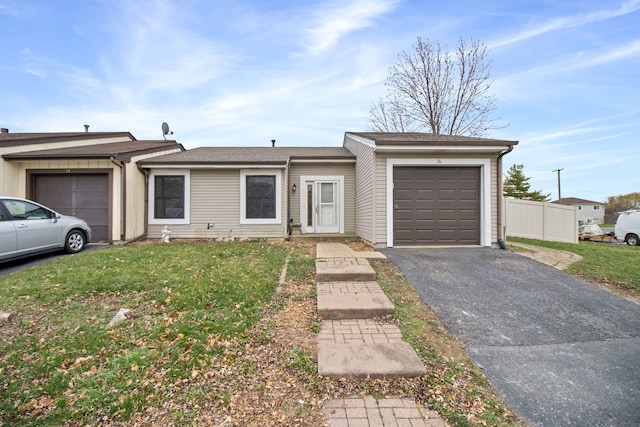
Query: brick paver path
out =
(340, 288)
(369, 412)
(358, 331)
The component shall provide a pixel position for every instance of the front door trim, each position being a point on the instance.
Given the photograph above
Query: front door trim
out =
(303, 199)
(485, 189)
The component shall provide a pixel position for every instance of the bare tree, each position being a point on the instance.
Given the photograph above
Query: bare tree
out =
(389, 115)
(438, 91)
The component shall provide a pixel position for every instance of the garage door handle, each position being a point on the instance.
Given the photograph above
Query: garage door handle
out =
(395, 207)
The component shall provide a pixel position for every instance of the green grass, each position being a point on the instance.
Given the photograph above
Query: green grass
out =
(601, 262)
(189, 303)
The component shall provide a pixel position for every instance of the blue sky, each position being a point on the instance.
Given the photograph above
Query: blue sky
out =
(243, 72)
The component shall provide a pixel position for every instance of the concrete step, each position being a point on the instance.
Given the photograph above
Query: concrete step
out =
(352, 300)
(344, 269)
(360, 361)
(361, 348)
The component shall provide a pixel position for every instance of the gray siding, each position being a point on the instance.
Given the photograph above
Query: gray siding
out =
(365, 190)
(215, 199)
(307, 169)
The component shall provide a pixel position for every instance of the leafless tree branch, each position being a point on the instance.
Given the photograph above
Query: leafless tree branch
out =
(439, 91)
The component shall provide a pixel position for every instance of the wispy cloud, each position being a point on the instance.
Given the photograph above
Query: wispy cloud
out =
(338, 18)
(568, 22)
(161, 50)
(510, 86)
(6, 10)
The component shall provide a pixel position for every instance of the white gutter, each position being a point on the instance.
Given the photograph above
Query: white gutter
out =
(440, 148)
(215, 166)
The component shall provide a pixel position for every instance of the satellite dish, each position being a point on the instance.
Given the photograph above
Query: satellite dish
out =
(165, 130)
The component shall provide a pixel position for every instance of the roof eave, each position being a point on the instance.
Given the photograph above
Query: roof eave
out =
(444, 148)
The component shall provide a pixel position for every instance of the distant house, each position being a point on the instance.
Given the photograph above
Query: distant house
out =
(588, 210)
(92, 175)
(390, 189)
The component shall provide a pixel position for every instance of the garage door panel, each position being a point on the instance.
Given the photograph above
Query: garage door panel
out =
(437, 205)
(444, 195)
(425, 214)
(83, 195)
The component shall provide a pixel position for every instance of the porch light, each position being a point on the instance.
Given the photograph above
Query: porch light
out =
(294, 188)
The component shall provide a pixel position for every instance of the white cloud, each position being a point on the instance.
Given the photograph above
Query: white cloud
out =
(568, 22)
(338, 18)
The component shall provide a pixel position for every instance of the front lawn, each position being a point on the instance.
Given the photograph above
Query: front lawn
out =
(190, 304)
(603, 263)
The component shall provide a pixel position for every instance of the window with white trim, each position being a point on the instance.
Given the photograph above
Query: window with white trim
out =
(596, 207)
(169, 197)
(260, 196)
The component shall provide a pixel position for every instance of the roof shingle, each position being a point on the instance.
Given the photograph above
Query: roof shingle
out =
(249, 155)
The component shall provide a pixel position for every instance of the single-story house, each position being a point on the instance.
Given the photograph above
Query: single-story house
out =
(588, 210)
(92, 175)
(390, 189)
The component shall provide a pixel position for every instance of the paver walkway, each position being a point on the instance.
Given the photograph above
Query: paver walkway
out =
(370, 412)
(351, 343)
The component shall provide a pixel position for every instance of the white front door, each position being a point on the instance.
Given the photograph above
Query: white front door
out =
(327, 207)
(321, 205)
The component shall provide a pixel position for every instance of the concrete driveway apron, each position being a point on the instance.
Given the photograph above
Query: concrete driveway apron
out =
(562, 352)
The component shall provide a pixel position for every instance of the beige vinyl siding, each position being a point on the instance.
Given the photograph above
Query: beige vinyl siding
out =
(365, 190)
(328, 169)
(136, 195)
(215, 199)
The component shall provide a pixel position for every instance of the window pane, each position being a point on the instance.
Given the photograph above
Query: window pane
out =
(169, 196)
(25, 210)
(261, 196)
(309, 205)
(326, 192)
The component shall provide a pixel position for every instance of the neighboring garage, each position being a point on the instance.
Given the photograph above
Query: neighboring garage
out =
(91, 175)
(85, 195)
(436, 205)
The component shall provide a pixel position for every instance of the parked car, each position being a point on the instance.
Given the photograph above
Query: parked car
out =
(628, 227)
(29, 228)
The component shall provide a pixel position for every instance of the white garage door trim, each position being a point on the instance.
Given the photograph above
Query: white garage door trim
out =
(485, 190)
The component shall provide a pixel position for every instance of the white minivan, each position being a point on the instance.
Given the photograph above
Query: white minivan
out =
(628, 227)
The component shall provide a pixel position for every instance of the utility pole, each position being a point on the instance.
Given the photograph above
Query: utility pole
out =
(558, 170)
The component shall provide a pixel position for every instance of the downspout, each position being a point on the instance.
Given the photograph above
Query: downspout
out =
(123, 197)
(145, 172)
(287, 231)
(501, 233)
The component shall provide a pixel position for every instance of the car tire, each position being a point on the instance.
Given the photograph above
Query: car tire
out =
(75, 242)
(632, 240)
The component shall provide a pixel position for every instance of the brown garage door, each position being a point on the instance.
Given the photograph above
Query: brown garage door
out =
(436, 205)
(83, 195)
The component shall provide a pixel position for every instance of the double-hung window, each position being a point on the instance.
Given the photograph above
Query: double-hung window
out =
(169, 195)
(260, 201)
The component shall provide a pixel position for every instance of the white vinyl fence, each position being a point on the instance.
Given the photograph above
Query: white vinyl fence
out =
(540, 220)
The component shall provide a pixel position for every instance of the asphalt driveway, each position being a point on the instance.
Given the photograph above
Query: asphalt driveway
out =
(562, 352)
